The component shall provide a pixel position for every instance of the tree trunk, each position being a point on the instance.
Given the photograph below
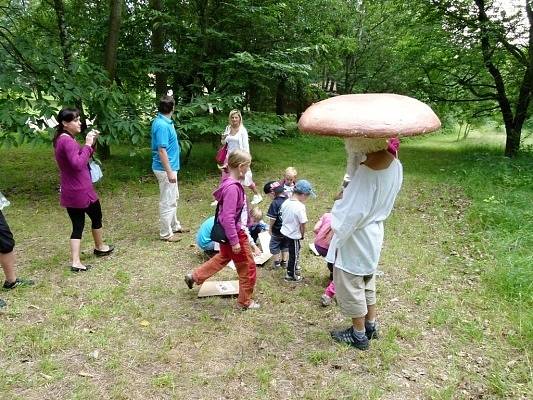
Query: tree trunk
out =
(299, 99)
(64, 41)
(252, 100)
(110, 55)
(158, 49)
(512, 141)
(280, 96)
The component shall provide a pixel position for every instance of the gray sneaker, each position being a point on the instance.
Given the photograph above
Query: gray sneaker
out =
(371, 332)
(347, 336)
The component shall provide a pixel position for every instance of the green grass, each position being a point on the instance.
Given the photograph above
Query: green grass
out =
(455, 301)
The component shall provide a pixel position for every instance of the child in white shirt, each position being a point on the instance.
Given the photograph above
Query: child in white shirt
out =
(294, 218)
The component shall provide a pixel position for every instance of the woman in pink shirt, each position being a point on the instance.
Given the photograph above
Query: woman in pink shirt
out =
(77, 194)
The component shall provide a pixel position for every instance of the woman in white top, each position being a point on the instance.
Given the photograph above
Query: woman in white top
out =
(236, 137)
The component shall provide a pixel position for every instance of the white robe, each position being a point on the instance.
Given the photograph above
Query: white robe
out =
(357, 218)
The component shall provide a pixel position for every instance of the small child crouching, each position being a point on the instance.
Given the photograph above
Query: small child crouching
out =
(256, 225)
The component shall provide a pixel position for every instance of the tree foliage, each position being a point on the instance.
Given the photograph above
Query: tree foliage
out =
(114, 58)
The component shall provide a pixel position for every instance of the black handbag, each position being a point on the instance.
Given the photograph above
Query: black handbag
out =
(217, 232)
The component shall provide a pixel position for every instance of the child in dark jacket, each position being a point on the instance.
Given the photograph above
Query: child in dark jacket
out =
(278, 246)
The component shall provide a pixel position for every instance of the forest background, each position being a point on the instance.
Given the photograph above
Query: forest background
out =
(471, 60)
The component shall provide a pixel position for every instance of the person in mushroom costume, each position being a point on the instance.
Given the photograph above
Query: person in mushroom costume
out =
(372, 181)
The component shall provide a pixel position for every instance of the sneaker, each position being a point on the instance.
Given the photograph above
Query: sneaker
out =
(18, 282)
(189, 280)
(256, 199)
(347, 336)
(181, 230)
(371, 332)
(2, 303)
(325, 300)
(283, 264)
(172, 238)
(276, 265)
(295, 278)
(214, 203)
(252, 306)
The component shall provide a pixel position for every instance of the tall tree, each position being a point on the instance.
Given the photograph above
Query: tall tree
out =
(66, 49)
(113, 34)
(158, 48)
(503, 41)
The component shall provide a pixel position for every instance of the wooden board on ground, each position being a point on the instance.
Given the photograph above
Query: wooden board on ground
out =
(219, 288)
(264, 243)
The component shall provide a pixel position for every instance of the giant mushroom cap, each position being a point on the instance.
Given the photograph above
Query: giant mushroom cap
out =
(373, 115)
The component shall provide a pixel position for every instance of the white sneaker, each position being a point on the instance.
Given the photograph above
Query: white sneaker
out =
(256, 199)
(253, 306)
(214, 203)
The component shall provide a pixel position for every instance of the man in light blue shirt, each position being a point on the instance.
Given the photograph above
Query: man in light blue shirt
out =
(166, 164)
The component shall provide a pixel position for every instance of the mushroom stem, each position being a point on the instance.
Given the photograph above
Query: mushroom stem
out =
(356, 148)
(354, 158)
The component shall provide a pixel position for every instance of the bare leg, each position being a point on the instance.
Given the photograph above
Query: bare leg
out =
(98, 241)
(75, 245)
(371, 314)
(7, 261)
(359, 323)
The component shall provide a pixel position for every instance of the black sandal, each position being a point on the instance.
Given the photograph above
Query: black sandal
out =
(76, 269)
(103, 253)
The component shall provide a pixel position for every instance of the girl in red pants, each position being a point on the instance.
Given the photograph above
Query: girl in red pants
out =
(231, 198)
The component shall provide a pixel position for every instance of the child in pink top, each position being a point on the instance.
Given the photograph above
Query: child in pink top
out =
(323, 237)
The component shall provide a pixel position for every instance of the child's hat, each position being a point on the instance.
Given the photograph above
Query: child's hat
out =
(303, 186)
(273, 187)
